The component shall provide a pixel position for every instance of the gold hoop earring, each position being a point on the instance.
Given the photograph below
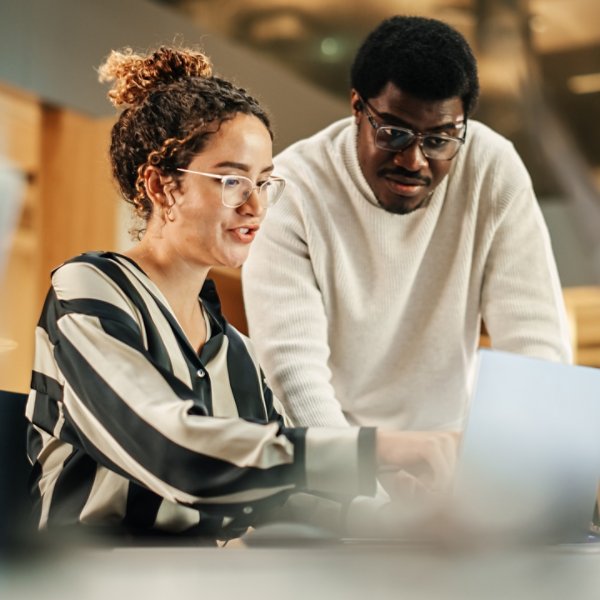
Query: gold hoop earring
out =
(169, 212)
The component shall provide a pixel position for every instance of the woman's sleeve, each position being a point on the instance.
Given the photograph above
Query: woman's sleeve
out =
(135, 417)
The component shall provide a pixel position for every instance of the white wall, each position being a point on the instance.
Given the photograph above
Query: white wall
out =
(51, 48)
(574, 261)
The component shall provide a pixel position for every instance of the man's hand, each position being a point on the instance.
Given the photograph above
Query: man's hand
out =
(416, 462)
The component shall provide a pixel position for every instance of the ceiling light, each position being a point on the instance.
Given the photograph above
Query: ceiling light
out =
(584, 84)
(330, 46)
(538, 24)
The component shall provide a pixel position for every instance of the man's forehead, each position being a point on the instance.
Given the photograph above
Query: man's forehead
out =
(397, 105)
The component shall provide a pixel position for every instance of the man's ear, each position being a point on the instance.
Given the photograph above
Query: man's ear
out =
(357, 105)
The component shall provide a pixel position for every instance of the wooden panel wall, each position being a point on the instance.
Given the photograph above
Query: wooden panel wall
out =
(20, 135)
(229, 287)
(69, 207)
(583, 306)
(79, 198)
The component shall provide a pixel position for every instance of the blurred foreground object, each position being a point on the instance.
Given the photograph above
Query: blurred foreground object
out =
(12, 184)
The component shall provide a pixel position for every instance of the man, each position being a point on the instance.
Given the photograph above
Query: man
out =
(403, 227)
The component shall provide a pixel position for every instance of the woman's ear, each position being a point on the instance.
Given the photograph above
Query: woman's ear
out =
(159, 189)
(154, 184)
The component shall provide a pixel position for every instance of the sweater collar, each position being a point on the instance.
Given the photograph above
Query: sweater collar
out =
(349, 154)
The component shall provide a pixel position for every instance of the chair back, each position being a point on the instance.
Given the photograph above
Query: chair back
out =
(15, 504)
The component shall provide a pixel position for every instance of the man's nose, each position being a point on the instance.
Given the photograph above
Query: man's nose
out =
(411, 158)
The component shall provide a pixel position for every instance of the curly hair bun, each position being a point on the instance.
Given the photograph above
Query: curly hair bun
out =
(135, 76)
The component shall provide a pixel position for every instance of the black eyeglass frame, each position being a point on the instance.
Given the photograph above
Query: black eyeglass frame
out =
(413, 135)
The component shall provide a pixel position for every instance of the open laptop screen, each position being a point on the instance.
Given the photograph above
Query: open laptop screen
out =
(529, 461)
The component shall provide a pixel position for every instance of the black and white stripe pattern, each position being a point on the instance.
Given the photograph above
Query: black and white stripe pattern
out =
(130, 427)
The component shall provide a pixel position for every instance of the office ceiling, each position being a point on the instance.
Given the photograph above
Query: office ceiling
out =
(318, 38)
(327, 30)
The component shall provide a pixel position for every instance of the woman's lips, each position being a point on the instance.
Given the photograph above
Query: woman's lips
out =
(245, 235)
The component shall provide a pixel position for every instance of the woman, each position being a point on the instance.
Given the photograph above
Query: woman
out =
(148, 411)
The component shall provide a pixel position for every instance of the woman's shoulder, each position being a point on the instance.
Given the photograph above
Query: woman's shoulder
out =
(94, 274)
(98, 258)
(103, 261)
(80, 261)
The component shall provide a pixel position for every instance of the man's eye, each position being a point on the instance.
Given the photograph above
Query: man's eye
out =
(398, 133)
(433, 141)
(398, 136)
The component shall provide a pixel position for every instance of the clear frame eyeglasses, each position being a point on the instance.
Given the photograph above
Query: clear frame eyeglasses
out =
(237, 189)
(437, 146)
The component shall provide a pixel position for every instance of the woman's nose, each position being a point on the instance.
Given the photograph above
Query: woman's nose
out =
(254, 206)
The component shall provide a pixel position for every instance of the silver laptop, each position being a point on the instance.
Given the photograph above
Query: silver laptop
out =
(529, 462)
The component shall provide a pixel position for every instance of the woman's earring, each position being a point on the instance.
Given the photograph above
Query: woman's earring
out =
(169, 212)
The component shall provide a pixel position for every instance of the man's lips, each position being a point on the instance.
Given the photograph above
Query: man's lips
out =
(404, 179)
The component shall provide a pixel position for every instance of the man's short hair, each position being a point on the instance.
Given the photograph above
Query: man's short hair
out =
(423, 57)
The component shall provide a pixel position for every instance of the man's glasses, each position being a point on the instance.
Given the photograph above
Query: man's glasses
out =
(236, 189)
(437, 146)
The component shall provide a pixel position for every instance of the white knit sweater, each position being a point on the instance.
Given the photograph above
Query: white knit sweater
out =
(372, 318)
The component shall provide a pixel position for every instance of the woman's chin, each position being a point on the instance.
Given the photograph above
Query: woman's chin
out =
(232, 262)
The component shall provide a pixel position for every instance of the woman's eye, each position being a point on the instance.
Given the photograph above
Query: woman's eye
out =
(230, 182)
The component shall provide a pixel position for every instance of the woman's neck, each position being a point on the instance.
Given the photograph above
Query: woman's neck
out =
(179, 281)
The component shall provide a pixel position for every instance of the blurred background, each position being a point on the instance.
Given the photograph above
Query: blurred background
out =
(539, 66)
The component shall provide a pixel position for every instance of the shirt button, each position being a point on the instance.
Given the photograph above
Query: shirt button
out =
(247, 510)
(201, 372)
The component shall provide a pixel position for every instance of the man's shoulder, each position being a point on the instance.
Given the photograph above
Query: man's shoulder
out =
(486, 150)
(482, 136)
(491, 167)
(310, 149)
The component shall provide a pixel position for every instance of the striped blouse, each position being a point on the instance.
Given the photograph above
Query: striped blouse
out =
(132, 429)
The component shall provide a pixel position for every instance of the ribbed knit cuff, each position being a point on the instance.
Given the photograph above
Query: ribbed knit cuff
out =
(367, 461)
(340, 460)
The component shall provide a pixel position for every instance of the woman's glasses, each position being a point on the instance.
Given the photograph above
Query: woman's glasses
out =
(236, 189)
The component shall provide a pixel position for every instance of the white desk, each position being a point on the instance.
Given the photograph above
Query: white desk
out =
(347, 573)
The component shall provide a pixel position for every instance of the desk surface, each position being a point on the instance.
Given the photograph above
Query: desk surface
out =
(345, 572)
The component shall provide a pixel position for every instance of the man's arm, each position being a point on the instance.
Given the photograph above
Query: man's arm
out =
(287, 318)
(522, 302)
